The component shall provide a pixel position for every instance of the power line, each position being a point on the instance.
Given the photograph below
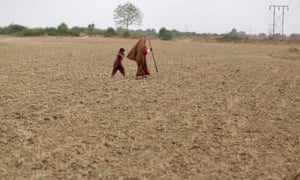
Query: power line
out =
(272, 1)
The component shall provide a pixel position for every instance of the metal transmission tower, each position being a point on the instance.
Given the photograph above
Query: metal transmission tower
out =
(278, 18)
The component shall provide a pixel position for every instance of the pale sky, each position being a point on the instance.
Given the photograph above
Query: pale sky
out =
(201, 16)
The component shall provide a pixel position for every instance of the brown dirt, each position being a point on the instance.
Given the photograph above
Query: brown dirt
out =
(214, 111)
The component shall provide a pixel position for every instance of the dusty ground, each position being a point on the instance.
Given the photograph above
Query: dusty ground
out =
(214, 111)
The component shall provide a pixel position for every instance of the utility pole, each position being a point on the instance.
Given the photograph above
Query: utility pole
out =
(278, 19)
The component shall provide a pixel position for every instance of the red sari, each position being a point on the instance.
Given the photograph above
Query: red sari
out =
(138, 54)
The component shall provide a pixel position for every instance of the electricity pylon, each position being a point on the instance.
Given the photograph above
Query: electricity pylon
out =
(278, 18)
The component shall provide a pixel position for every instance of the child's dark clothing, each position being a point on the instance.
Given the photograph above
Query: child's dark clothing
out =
(118, 64)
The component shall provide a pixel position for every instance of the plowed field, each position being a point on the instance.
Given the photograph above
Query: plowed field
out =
(213, 111)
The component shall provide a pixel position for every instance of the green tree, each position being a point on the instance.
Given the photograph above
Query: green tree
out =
(51, 31)
(34, 32)
(295, 35)
(123, 32)
(127, 14)
(76, 31)
(233, 32)
(15, 29)
(165, 34)
(62, 29)
(110, 32)
(262, 35)
(91, 28)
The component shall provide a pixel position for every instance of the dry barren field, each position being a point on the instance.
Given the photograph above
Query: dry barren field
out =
(214, 111)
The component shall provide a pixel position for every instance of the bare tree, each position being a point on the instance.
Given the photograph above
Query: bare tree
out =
(128, 14)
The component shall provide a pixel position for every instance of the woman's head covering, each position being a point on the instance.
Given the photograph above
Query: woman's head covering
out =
(137, 51)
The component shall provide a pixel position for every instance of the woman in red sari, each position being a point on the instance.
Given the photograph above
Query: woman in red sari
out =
(138, 54)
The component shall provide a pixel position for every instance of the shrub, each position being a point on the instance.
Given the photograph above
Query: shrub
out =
(165, 34)
(110, 32)
(62, 29)
(15, 29)
(76, 31)
(98, 32)
(51, 31)
(126, 34)
(91, 29)
(233, 36)
(294, 35)
(123, 32)
(33, 32)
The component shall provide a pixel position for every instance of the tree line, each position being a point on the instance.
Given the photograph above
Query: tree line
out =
(163, 33)
(125, 16)
(63, 30)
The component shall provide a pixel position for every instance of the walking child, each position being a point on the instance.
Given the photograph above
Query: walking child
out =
(118, 63)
